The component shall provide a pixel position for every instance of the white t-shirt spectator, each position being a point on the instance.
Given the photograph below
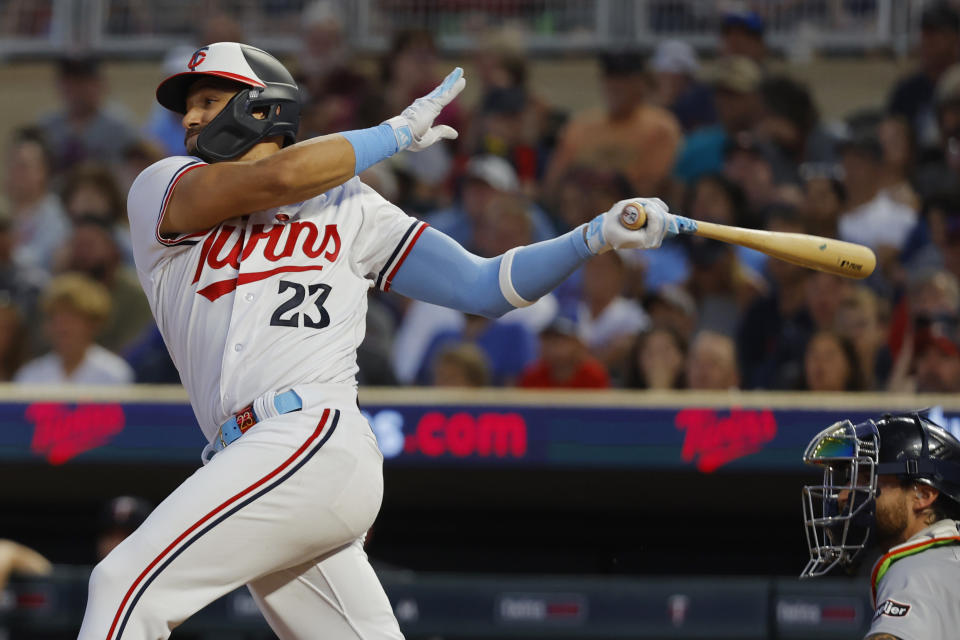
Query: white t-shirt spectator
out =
(99, 366)
(882, 222)
(619, 318)
(39, 232)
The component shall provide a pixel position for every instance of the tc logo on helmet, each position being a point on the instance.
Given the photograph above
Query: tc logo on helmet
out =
(198, 56)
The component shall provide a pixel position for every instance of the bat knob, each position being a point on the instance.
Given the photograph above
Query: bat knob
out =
(633, 216)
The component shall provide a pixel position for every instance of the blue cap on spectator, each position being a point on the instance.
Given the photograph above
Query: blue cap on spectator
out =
(746, 20)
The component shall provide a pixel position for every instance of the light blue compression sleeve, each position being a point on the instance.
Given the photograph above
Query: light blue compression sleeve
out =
(439, 271)
(370, 146)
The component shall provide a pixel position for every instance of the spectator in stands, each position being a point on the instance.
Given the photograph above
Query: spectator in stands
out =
(749, 163)
(941, 231)
(92, 251)
(511, 119)
(608, 321)
(486, 177)
(138, 157)
(672, 306)
(913, 97)
(19, 285)
(91, 191)
(939, 167)
(896, 140)
(565, 362)
(791, 125)
(722, 286)
(408, 71)
(150, 360)
(461, 365)
(39, 223)
(323, 45)
(75, 308)
(776, 326)
(830, 363)
(119, 518)
(931, 306)
(741, 34)
(862, 319)
(86, 128)
(373, 354)
(736, 84)
(711, 363)
(824, 197)
(628, 135)
(937, 365)
(13, 338)
(338, 96)
(675, 66)
(509, 347)
(824, 295)
(871, 217)
(716, 198)
(502, 129)
(656, 360)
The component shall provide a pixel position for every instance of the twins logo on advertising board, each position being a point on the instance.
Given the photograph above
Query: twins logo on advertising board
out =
(712, 441)
(61, 433)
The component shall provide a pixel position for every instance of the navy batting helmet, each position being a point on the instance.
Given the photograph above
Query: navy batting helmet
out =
(269, 88)
(852, 456)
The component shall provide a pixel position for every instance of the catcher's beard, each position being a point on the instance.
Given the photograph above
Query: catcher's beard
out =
(891, 518)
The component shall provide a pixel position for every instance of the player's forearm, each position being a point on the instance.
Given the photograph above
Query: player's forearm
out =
(440, 271)
(308, 169)
(204, 198)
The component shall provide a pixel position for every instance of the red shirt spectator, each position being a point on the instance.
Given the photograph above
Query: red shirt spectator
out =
(564, 362)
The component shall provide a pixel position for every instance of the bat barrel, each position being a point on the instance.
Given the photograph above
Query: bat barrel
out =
(814, 252)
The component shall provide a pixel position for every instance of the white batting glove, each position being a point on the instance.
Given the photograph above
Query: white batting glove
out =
(414, 127)
(606, 232)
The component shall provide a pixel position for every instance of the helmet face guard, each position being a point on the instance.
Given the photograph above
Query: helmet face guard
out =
(839, 513)
(235, 130)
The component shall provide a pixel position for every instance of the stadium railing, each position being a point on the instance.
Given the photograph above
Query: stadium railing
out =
(138, 28)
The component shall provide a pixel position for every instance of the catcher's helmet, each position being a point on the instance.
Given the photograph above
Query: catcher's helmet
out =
(235, 130)
(852, 456)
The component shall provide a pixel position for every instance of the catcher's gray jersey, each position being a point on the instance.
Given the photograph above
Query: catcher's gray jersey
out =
(917, 586)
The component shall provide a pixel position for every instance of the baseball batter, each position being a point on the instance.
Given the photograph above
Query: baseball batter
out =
(257, 255)
(894, 482)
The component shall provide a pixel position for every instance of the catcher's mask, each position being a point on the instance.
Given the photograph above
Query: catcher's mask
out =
(267, 87)
(839, 514)
(839, 530)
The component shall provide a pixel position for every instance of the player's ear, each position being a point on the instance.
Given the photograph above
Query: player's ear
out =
(924, 496)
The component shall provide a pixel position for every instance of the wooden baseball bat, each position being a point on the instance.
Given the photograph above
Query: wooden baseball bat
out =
(814, 252)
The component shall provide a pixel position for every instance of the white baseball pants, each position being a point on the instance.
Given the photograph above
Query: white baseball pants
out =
(283, 509)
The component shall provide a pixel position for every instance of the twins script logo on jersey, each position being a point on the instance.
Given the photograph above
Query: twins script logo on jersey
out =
(226, 247)
(893, 609)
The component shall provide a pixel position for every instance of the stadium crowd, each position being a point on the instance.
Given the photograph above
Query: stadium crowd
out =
(739, 145)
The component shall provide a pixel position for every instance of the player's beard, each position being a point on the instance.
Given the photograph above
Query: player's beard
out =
(190, 141)
(891, 519)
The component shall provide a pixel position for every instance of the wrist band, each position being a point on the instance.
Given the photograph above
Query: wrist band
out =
(372, 145)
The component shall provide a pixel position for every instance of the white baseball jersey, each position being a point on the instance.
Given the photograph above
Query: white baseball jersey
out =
(278, 295)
